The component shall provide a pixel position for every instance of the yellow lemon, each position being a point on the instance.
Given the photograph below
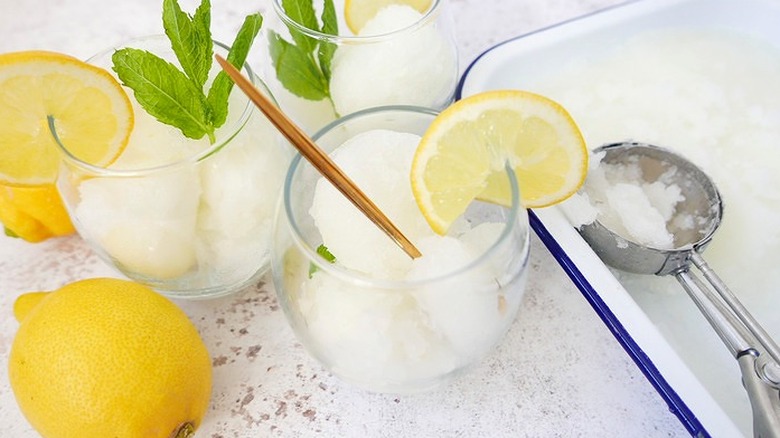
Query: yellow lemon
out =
(33, 213)
(464, 153)
(108, 358)
(91, 111)
(359, 12)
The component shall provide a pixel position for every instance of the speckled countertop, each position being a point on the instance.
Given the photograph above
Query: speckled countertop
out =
(558, 372)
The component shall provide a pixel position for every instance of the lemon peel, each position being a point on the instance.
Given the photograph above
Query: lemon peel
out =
(108, 357)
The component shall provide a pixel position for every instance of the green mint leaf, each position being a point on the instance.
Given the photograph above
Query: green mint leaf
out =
(220, 89)
(323, 252)
(177, 97)
(302, 12)
(296, 70)
(303, 66)
(163, 91)
(190, 39)
(202, 22)
(330, 26)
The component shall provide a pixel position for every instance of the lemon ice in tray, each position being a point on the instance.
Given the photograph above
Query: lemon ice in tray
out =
(698, 77)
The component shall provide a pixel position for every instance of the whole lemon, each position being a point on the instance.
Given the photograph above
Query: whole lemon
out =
(108, 358)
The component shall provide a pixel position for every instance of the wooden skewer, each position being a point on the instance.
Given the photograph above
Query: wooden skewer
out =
(319, 159)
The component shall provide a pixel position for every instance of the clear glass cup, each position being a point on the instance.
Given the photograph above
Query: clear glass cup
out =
(190, 218)
(396, 330)
(400, 57)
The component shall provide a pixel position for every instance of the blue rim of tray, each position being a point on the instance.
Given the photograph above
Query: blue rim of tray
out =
(676, 405)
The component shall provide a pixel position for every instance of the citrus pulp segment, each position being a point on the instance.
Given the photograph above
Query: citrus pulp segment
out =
(92, 113)
(464, 153)
(359, 12)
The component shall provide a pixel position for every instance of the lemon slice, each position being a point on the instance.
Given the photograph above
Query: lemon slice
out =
(359, 12)
(464, 153)
(92, 113)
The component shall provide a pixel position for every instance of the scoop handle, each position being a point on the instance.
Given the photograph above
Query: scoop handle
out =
(737, 308)
(764, 400)
(731, 331)
(763, 392)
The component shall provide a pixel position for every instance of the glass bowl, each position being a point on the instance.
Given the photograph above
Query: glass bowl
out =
(190, 218)
(401, 56)
(373, 316)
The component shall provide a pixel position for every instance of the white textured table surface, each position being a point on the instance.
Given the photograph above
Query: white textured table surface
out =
(558, 372)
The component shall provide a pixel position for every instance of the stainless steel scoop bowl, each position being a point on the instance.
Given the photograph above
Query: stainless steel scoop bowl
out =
(757, 353)
(702, 200)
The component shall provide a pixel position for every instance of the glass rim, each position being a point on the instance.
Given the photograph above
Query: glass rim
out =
(430, 15)
(360, 278)
(231, 130)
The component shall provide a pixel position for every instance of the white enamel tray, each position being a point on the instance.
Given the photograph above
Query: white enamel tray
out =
(695, 376)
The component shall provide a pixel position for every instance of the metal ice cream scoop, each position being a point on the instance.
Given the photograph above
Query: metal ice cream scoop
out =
(756, 352)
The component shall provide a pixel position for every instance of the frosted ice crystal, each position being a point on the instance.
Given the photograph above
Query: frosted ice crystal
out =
(378, 162)
(444, 317)
(416, 67)
(211, 217)
(146, 224)
(240, 188)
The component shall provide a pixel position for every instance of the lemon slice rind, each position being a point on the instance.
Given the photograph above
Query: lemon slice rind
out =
(359, 12)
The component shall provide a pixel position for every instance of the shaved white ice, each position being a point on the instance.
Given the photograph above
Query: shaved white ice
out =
(386, 338)
(464, 320)
(373, 337)
(147, 225)
(376, 161)
(197, 224)
(418, 67)
(240, 187)
(633, 208)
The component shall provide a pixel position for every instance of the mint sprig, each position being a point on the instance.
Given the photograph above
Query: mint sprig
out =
(323, 252)
(303, 66)
(164, 91)
(330, 26)
(177, 97)
(190, 38)
(220, 89)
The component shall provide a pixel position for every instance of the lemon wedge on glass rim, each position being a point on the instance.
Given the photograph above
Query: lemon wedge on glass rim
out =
(464, 153)
(92, 113)
(359, 12)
